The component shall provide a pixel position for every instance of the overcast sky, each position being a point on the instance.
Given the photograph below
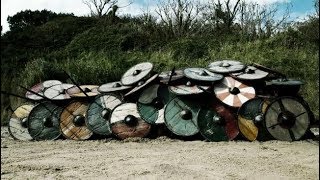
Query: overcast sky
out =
(299, 9)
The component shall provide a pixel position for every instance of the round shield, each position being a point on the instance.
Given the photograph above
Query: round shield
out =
(250, 119)
(112, 87)
(232, 92)
(136, 73)
(287, 119)
(285, 82)
(90, 90)
(202, 74)
(126, 122)
(226, 66)
(250, 73)
(142, 84)
(72, 121)
(99, 112)
(18, 123)
(43, 121)
(217, 124)
(187, 89)
(58, 92)
(39, 88)
(149, 94)
(180, 116)
(165, 76)
(152, 113)
(165, 95)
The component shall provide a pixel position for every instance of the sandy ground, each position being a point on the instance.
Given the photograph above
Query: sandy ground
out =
(160, 158)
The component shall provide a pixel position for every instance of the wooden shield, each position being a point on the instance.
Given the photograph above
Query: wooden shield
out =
(226, 66)
(90, 90)
(180, 116)
(250, 73)
(99, 112)
(287, 119)
(165, 95)
(143, 84)
(136, 73)
(58, 92)
(149, 94)
(40, 88)
(112, 87)
(18, 123)
(152, 113)
(250, 120)
(201, 74)
(165, 76)
(232, 92)
(188, 88)
(285, 82)
(72, 121)
(126, 122)
(43, 121)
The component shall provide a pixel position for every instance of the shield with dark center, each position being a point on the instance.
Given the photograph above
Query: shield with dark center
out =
(126, 122)
(112, 87)
(40, 88)
(201, 74)
(136, 73)
(142, 85)
(287, 119)
(176, 75)
(18, 123)
(250, 119)
(250, 73)
(58, 92)
(43, 121)
(181, 117)
(89, 90)
(232, 92)
(99, 112)
(152, 113)
(226, 66)
(188, 88)
(72, 121)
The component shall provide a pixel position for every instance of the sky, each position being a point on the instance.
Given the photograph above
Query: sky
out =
(299, 8)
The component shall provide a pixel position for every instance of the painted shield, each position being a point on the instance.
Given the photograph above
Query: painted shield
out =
(136, 73)
(90, 90)
(217, 123)
(180, 116)
(165, 95)
(250, 119)
(165, 76)
(188, 88)
(18, 123)
(149, 94)
(43, 121)
(112, 87)
(250, 73)
(287, 119)
(98, 114)
(142, 84)
(126, 122)
(202, 74)
(72, 121)
(233, 92)
(226, 66)
(285, 82)
(40, 88)
(58, 92)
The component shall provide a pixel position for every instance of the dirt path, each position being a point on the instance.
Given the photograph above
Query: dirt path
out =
(161, 158)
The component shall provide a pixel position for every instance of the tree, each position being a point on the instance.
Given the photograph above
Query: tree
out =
(179, 16)
(30, 18)
(101, 8)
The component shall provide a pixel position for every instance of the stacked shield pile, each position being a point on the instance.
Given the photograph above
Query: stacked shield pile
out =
(227, 100)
